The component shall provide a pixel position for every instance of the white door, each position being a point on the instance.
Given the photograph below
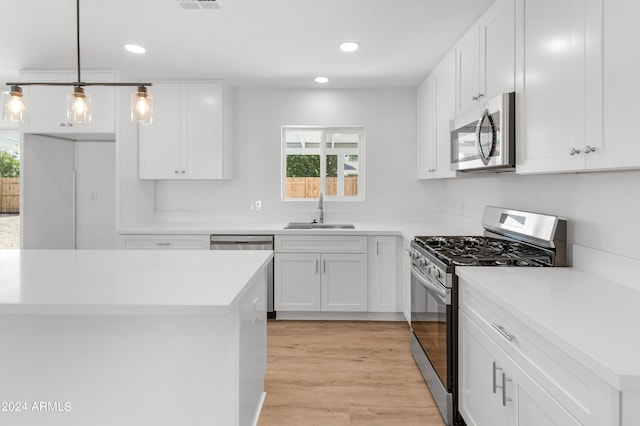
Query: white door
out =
(344, 282)
(202, 151)
(296, 282)
(467, 70)
(47, 193)
(160, 141)
(620, 146)
(95, 195)
(497, 50)
(426, 159)
(445, 93)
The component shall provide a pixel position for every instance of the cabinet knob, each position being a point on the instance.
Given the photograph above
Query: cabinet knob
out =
(176, 171)
(70, 124)
(183, 172)
(63, 124)
(480, 95)
(474, 98)
(587, 149)
(574, 151)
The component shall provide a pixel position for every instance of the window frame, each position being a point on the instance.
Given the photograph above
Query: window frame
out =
(359, 129)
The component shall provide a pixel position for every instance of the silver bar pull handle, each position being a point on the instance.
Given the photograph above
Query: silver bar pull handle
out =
(377, 248)
(324, 266)
(500, 329)
(495, 382)
(504, 390)
(163, 244)
(317, 265)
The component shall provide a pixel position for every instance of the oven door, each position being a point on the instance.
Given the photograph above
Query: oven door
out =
(431, 322)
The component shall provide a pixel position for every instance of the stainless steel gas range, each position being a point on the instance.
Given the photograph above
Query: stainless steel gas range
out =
(511, 238)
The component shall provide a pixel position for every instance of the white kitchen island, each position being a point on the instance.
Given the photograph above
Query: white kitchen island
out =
(132, 337)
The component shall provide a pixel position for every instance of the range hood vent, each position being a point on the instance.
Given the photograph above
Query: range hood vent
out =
(198, 4)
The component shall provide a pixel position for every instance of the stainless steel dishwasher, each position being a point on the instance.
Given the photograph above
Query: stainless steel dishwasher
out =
(249, 242)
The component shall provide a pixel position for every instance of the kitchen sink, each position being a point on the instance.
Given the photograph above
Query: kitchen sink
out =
(307, 225)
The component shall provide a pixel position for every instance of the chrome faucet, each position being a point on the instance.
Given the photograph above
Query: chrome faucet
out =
(321, 207)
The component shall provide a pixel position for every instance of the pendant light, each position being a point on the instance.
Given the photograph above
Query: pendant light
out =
(78, 102)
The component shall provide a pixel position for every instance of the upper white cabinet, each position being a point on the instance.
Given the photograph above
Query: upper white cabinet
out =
(559, 86)
(485, 57)
(426, 115)
(620, 146)
(190, 135)
(435, 109)
(382, 274)
(47, 105)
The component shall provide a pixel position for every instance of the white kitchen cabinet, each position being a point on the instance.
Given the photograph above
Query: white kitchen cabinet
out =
(318, 273)
(296, 282)
(510, 375)
(190, 134)
(47, 105)
(559, 85)
(485, 57)
(382, 261)
(426, 129)
(436, 109)
(406, 279)
(620, 145)
(495, 391)
(164, 242)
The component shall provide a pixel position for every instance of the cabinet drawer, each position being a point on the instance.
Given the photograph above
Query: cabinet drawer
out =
(165, 242)
(581, 392)
(320, 244)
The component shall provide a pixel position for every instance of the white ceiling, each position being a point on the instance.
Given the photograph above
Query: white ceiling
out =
(258, 43)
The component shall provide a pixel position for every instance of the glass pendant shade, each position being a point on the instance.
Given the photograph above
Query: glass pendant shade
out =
(13, 105)
(142, 106)
(79, 107)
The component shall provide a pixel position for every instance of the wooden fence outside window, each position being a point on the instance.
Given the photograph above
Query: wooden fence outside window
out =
(9, 195)
(309, 187)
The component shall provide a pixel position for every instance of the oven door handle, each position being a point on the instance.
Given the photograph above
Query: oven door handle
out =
(439, 290)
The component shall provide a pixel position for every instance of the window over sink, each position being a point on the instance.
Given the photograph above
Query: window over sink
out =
(322, 159)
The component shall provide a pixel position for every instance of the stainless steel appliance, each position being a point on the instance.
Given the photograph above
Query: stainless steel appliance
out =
(483, 137)
(511, 238)
(249, 242)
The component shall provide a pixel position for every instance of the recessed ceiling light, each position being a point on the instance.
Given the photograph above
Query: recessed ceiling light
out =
(322, 80)
(134, 48)
(349, 46)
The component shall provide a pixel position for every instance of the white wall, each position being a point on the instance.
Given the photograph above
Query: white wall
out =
(388, 116)
(602, 209)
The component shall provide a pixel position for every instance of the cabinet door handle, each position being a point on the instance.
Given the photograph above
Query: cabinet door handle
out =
(587, 149)
(504, 390)
(500, 329)
(474, 98)
(324, 266)
(495, 382)
(480, 95)
(176, 171)
(317, 265)
(377, 248)
(574, 151)
(163, 244)
(183, 172)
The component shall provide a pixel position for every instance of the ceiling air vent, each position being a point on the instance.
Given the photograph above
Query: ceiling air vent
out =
(198, 4)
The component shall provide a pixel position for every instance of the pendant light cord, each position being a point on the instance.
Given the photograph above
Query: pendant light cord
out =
(78, 35)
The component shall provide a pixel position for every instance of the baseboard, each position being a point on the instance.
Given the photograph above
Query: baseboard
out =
(340, 316)
(256, 416)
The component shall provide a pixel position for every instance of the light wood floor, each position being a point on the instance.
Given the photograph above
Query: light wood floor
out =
(343, 373)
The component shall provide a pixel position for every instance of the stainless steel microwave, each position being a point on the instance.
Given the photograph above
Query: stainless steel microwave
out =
(483, 137)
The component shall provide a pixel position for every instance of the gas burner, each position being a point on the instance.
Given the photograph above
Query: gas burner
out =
(484, 251)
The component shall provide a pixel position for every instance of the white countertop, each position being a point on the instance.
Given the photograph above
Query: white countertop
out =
(405, 229)
(593, 320)
(106, 282)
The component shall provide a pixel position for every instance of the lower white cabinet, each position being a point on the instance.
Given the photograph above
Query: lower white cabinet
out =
(510, 375)
(382, 274)
(318, 273)
(320, 282)
(164, 242)
(496, 391)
